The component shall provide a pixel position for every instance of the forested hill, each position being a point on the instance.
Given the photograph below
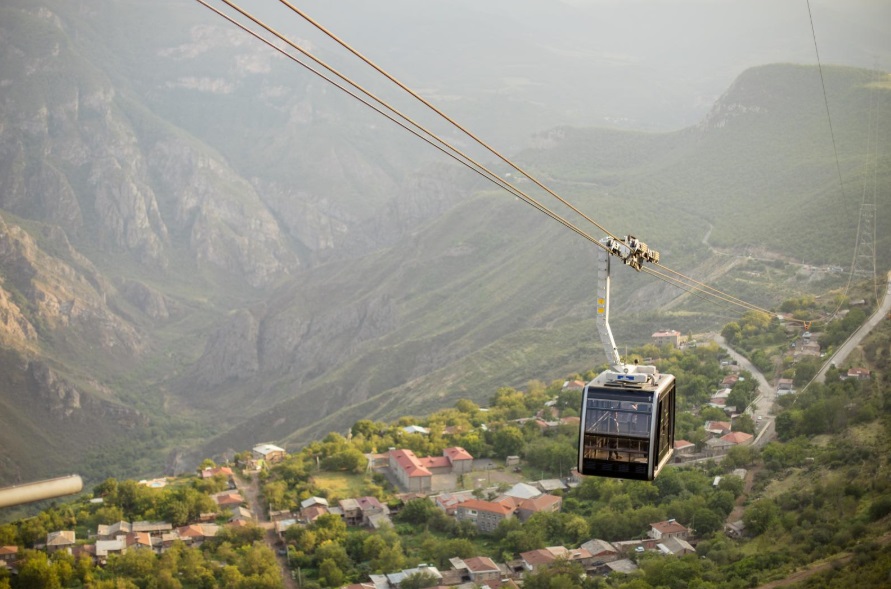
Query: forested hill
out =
(199, 247)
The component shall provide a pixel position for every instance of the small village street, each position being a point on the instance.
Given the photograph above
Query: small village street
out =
(251, 493)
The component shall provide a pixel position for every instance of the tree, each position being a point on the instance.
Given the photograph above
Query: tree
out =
(508, 441)
(744, 423)
(560, 574)
(37, 572)
(330, 574)
(329, 527)
(731, 332)
(759, 516)
(419, 580)
(418, 511)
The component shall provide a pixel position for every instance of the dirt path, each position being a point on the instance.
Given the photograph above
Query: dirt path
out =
(251, 493)
(739, 507)
(814, 568)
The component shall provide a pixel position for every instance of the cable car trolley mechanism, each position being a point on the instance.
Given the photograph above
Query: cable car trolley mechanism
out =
(627, 413)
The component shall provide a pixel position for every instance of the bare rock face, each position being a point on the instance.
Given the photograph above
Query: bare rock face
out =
(227, 225)
(65, 401)
(148, 300)
(60, 397)
(231, 352)
(60, 295)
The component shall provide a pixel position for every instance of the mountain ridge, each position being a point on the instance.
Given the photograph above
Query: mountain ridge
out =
(182, 298)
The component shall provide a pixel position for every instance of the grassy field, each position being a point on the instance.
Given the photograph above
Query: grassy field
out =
(341, 485)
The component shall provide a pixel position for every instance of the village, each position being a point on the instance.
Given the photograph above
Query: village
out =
(458, 484)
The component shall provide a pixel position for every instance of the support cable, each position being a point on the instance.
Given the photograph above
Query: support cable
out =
(682, 281)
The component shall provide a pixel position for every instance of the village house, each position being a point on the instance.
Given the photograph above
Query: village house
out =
(106, 547)
(393, 580)
(551, 485)
(239, 512)
(684, 448)
(113, 531)
(543, 503)
(476, 570)
(209, 473)
(416, 429)
(228, 499)
(535, 559)
(738, 438)
(416, 474)
(717, 446)
(137, 540)
(352, 516)
(61, 540)
(449, 502)
(311, 514)
(858, 374)
(268, 453)
(718, 428)
(282, 525)
(601, 551)
(196, 534)
(675, 546)
(670, 337)
(486, 515)
(729, 381)
(9, 555)
(624, 565)
(523, 491)
(668, 529)
(370, 507)
(573, 385)
(153, 528)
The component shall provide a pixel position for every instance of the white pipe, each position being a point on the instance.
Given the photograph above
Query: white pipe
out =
(37, 491)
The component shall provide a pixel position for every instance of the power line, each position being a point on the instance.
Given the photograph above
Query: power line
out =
(681, 280)
(826, 100)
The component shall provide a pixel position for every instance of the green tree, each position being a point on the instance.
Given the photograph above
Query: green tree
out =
(37, 572)
(760, 515)
(330, 574)
(419, 580)
(508, 441)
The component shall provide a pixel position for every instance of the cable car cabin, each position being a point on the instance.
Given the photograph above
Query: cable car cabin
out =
(627, 424)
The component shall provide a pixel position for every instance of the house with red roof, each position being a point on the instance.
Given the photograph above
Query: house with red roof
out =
(542, 503)
(228, 499)
(486, 515)
(671, 337)
(460, 459)
(409, 471)
(416, 474)
(9, 554)
(209, 473)
(738, 438)
(683, 447)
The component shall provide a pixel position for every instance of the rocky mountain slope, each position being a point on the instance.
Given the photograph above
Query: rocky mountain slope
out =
(198, 246)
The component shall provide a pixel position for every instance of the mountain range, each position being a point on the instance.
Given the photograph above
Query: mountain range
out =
(201, 249)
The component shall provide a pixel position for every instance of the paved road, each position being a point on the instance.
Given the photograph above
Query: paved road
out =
(844, 350)
(762, 406)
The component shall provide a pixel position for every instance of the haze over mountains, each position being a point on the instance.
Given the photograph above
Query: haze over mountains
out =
(200, 245)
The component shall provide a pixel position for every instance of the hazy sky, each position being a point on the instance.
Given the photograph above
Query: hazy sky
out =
(642, 64)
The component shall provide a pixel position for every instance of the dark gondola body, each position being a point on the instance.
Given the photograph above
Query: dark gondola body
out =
(627, 424)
